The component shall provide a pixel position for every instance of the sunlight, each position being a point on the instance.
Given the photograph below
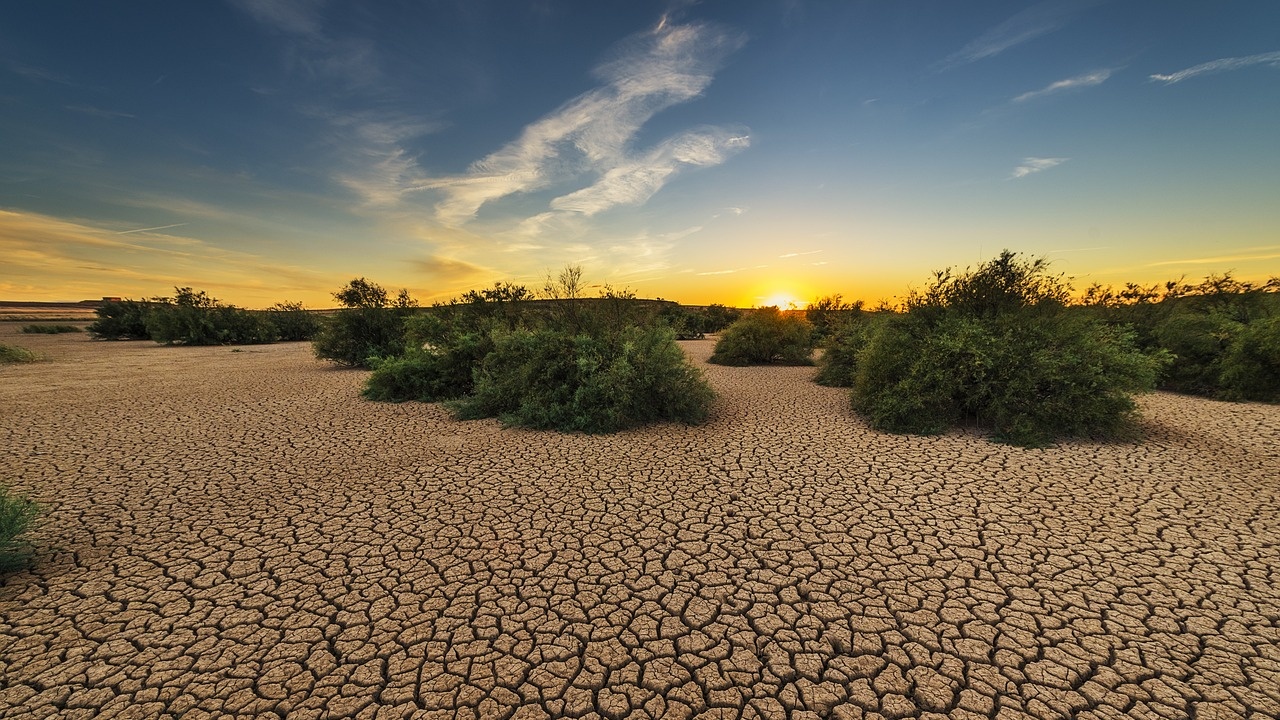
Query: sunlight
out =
(783, 301)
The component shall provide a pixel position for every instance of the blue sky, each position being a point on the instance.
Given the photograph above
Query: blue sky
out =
(731, 151)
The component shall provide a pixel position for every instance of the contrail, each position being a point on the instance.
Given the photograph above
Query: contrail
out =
(161, 227)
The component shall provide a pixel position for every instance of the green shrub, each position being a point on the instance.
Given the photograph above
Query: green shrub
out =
(995, 346)
(18, 515)
(1197, 342)
(121, 320)
(1250, 367)
(429, 374)
(293, 322)
(766, 336)
(830, 315)
(551, 378)
(50, 329)
(839, 362)
(15, 354)
(371, 325)
(194, 318)
(893, 389)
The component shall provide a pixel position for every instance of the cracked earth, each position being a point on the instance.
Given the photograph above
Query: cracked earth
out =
(240, 534)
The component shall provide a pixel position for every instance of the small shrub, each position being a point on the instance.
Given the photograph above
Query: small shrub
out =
(553, 379)
(50, 329)
(15, 354)
(18, 515)
(121, 320)
(766, 336)
(1250, 367)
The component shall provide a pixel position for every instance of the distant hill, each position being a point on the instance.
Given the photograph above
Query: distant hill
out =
(47, 311)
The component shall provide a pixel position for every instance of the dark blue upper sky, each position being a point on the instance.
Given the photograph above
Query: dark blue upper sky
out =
(732, 151)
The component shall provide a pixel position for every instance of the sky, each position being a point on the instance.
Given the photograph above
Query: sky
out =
(734, 151)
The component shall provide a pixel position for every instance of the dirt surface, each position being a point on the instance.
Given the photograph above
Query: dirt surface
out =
(238, 533)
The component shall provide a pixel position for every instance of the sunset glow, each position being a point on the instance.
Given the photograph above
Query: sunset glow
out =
(746, 153)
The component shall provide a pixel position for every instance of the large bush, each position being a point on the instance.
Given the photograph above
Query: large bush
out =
(766, 336)
(995, 346)
(1208, 328)
(839, 362)
(371, 325)
(1029, 379)
(121, 320)
(194, 318)
(554, 379)
(1250, 367)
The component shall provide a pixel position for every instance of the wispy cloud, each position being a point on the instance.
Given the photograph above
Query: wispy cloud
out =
(295, 17)
(1072, 83)
(800, 254)
(39, 74)
(592, 133)
(151, 229)
(720, 272)
(98, 112)
(1033, 165)
(634, 180)
(1037, 20)
(309, 50)
(1266, 252)
(1220, 65)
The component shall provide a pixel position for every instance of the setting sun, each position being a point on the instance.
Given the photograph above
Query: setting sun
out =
(782, 300)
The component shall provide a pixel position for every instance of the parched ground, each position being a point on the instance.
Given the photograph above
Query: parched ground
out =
(238, 533)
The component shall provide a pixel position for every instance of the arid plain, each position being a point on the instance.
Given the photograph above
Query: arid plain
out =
(235, 532)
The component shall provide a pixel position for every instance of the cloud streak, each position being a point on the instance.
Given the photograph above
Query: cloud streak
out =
(1025, 26)
(591, 135)
(1032, 165)
(1079, 81)
(1220, 65)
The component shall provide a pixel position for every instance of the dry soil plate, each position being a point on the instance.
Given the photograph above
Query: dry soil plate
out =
(239, 533)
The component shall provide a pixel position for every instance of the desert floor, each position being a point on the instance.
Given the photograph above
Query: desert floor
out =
(237, 532)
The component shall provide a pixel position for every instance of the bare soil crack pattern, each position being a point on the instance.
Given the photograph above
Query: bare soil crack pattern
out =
(240, 534)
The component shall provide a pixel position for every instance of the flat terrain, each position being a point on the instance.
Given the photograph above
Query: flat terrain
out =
(239, 533)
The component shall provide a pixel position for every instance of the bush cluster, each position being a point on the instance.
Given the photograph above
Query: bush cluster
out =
(692, 323)
(998, 347)
(193, 317)
(766, 336)
(577, 364)
(50, 329)
(14, 354)
(1221, 334)
(18, 514)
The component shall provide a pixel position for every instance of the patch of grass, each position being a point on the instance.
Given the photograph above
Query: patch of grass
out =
(18, 515)
(14, 354)
(50, 329)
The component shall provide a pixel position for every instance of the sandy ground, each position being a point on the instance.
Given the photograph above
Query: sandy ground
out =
(238, 533)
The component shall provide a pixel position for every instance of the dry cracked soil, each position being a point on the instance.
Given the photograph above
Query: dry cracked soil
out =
(238, 533)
